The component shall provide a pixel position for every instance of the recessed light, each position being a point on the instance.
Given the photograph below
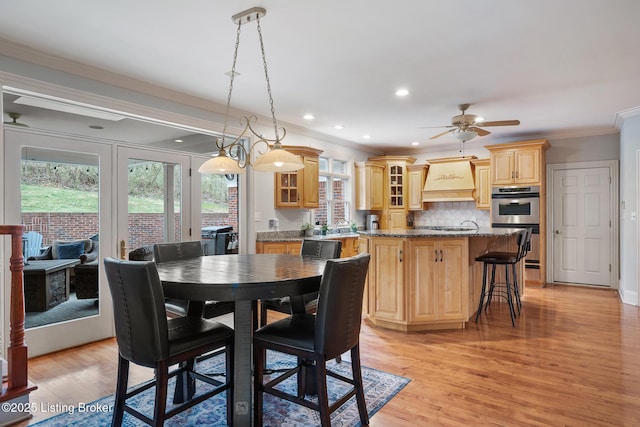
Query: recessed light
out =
(402, 92)
(178, 140)
(415, 143)
(338, 127)
(367, 136)
(309, 117)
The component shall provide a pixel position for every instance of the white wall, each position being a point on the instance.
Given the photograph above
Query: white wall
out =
(629, 155)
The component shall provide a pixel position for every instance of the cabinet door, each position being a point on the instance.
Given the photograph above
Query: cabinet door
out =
(416, 183)
(452, 297)
(271, 248)
(369, 187)
(502, 167)
(310, 177)
(363, 248)
(294, 248)
(287, 189)
(483, 187)
(527, 165)
(386, 279)
(376, 191)
(422, 302)
(396, 186)
(349, 247)
(397, 220)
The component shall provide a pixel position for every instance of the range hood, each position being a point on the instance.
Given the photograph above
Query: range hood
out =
(449, 180)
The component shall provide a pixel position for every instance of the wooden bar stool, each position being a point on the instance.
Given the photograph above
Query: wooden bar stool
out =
(508, 259)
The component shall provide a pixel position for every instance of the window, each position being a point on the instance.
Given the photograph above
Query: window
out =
(334, 193)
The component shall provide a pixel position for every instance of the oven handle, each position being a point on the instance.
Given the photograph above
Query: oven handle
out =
(516, 196)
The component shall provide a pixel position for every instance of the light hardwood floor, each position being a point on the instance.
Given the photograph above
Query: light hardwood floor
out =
(572, 359)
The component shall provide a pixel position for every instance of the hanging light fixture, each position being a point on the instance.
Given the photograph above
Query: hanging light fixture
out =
(234, 157)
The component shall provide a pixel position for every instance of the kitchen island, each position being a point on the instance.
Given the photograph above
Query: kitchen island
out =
(427, 278)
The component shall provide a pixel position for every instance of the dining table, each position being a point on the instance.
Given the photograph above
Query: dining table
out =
(244, 279)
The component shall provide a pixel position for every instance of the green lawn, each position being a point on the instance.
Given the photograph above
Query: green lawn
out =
(37, 198)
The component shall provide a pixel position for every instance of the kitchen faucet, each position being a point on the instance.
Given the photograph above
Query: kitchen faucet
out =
(472, 222)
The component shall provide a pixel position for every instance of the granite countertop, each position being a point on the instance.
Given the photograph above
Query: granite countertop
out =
(298, 235)
(442, 232)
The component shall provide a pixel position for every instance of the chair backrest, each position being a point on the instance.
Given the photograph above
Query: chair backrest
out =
(339, 312)
(33, 243)
(524, 242)
(163, 252)
(324, 249)
(138, 310)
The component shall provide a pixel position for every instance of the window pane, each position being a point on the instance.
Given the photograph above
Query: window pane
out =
(339, 167)
(339, 212)
(321, 212)
(324, 164)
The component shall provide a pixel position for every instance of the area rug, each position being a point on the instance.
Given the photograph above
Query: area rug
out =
(379, 387)
(73, 308)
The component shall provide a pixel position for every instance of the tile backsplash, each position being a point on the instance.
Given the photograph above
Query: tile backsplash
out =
(450, 214)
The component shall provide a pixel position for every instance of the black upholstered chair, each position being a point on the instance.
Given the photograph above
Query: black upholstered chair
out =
(314, 339)
(163, 252)
(146, 337)
(511, 289)
(324, 249)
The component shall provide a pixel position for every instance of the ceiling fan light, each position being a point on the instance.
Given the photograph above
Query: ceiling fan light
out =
(465, 135)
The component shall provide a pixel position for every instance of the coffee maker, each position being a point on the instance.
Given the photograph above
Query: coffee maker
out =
(372, 222)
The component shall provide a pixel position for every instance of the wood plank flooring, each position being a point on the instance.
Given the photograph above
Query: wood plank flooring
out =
(573, 359)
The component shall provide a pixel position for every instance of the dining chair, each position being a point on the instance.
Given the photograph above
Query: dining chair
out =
(314, 339)
(323, 249)
(146, 337)
(163, 252)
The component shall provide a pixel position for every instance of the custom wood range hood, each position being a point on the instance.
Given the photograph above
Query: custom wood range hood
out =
(449, 180)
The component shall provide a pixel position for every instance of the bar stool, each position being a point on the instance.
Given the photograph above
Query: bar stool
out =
(508, 259)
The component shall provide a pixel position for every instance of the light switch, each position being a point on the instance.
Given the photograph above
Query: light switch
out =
(257, 216)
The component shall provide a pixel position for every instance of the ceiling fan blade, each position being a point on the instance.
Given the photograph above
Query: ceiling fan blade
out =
(434, 127)
(481, 132)
(443, 133)
(499, 123)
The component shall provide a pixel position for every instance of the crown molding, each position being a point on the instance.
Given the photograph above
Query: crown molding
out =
(622, 115)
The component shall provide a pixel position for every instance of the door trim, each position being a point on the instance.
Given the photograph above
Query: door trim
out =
(612, 165)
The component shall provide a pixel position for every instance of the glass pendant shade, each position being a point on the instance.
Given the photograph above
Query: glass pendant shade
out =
(465, 135)
(278, 160)
(221, 164)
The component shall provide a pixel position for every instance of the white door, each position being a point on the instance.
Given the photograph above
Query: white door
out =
(153, 199)
(582, 226)
(77, 209)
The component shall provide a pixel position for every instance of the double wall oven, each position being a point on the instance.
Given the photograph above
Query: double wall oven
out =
(519, 207)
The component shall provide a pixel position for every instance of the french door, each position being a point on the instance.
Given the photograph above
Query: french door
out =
(154, 199)
(77, 210)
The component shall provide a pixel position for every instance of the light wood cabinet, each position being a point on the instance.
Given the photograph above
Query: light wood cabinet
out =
(517, 163)
(349, 247)
(482, 183)
(416, 174)
(269, 247)
(363, 248)
(299, 189)
(386, 279)
(439, 286)
(369, 186)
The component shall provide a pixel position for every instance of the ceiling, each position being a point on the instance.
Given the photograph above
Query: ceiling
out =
(563, 68)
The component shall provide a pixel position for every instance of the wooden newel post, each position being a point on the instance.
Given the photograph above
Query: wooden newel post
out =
(17, 351)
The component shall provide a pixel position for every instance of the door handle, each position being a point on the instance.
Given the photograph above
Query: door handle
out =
(123, 249)
(557, 231)
(400, 255)
(436, 252)
(440, 255)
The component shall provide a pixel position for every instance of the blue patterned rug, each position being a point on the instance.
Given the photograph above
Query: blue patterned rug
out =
(379, 388)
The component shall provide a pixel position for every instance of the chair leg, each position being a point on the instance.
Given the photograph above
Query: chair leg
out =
(512, 310)
(229, 379)
(516, 289)
(357, 379)
(492, 286)
(323, 397)
(162, 378)
(121, 391)
(263, 315)
(482, 291)
(259, 362)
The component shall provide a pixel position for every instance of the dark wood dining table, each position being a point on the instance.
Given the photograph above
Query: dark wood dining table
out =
(243, 279)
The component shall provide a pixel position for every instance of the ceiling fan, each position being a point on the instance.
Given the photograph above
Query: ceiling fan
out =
(467, 126)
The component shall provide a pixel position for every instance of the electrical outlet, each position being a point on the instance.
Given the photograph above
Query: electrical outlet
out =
(634, 216)
(257, 216)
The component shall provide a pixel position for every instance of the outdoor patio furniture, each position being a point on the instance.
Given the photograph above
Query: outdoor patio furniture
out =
(46, 283)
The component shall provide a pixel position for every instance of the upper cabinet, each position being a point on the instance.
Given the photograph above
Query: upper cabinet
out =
(416, 174)
(518, 163)
(369, 186)
(482, 183)
(393, 215)
(299, 189)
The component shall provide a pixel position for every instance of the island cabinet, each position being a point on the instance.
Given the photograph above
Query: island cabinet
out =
(439, 285)
(386, 280)
(363, 248)
(299, 189)
(291, 247)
